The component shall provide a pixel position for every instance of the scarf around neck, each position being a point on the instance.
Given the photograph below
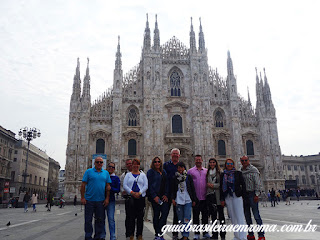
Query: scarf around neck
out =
(181, 178)
(228, 181)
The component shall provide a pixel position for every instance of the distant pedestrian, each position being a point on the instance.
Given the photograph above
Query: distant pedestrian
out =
(110, 209)
(49, 201)
(34, 201)
(26, 200)
(95, 196)
(251, 176)
(287, 194)
(273, 197)
(75, 201)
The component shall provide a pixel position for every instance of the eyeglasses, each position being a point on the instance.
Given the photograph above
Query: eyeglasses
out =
(101, 162)
(111, 166)
(244, 160)
(156, 161)
(229, 163)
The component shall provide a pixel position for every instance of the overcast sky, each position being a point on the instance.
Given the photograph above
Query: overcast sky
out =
(41, 40)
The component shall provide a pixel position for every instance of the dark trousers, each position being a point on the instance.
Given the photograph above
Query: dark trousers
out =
(175, 216)
(96, 209)
(200, 207)
(126, 221)
(248, 204)
(214, 211)
(160, 214)
(135, 212)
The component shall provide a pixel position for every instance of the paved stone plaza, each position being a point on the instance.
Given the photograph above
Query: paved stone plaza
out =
(63, 224)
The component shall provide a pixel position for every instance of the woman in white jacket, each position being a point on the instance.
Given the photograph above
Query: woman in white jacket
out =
(135, 183)
(34, 201)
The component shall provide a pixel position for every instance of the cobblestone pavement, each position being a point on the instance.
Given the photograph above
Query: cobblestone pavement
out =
(61, 223)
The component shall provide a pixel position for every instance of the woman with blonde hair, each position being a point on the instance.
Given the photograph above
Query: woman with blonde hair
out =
(232, 188)
(158, 190)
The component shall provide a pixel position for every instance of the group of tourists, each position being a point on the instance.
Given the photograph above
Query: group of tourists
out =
(189, 192)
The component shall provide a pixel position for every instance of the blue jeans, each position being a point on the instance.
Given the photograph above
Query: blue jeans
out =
(96, 208)
(160, 214)
(112, 224)
(184, 215)
(247, 204)
(25, 206)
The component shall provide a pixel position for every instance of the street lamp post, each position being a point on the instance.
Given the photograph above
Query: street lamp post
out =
(28, 134)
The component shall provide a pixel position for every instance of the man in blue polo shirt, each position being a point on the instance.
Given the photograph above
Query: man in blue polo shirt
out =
(95, 191)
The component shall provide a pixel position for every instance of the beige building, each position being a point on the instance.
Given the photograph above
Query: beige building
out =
(53, 176)
(304, 169)
(7, 143)
(37, 170)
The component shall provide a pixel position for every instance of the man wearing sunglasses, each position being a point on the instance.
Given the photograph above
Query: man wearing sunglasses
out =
(252, 180)
(95, 196)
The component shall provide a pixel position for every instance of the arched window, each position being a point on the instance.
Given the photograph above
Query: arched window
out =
(133, 117)
(35, 180)
(132, 147)
(304, 179)
(175, 84)
(221, 148)
(250, 150)
(30, 178)
(176, 124)
(297, 179)
(218, 119)
(40, 181)
(100, 144)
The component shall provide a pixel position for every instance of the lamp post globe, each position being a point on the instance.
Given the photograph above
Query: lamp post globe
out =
(28, 134)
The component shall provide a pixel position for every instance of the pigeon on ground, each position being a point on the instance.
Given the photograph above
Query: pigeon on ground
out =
(76, 214)
(9, 223)
(319, 207)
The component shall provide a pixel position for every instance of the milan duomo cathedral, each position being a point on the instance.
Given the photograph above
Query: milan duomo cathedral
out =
(171, 99)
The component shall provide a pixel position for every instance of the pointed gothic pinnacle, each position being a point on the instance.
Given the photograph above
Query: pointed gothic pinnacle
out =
(228, 54)
(200, 24)
(147, 21)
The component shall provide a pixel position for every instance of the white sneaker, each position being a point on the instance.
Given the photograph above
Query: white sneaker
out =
(206, 236)
(196, 237)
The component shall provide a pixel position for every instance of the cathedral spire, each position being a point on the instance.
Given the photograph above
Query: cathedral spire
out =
(147, 37)
(193, 47)
(202, 47)
(156, 37)
(266, 88)
(76, 91)
(229, 65)
(118, 63)
(249, 101)
(86, 84)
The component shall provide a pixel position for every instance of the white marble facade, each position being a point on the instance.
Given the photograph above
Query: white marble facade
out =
(172, 98)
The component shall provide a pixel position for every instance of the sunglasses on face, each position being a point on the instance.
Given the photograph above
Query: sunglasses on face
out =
(156, 161)
(111, 167)
(99, 162)
(229, 163)
(244, 160)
